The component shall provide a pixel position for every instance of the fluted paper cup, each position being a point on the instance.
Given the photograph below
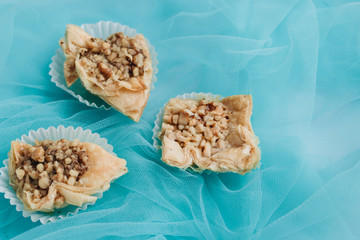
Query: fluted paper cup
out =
(51, 133)
(99, 30)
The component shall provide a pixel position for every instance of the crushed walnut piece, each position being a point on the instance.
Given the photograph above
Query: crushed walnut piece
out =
(202, 124)
(118, 58)
(48, 161)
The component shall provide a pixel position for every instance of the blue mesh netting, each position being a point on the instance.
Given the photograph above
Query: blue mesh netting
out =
(299, 59)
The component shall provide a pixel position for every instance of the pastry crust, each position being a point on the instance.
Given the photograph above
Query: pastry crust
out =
(99, 170)
(214, 135)
(117, 69)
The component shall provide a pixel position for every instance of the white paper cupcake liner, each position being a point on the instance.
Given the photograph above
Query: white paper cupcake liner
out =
(159, 120)
(51, 133)
(99, 30)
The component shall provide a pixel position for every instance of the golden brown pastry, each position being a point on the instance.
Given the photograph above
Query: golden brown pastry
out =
(54, 174)
(208, 134)
(117, 69)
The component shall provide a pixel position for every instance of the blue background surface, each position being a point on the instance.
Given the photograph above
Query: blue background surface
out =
(300, 60)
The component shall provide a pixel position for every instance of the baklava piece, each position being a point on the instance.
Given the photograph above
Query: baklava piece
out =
(207, 134)
(54, 174)
(117, 69)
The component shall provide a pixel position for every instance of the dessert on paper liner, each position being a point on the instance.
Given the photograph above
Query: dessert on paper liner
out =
(111, 61)
(58, 171)
(203, 131)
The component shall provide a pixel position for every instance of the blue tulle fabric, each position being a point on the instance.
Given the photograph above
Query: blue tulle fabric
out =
(300, 60)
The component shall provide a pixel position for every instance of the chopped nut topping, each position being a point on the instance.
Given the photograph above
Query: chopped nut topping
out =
(118, 58)
(40, 167)
(175, 119)
(48, 161)
(20, 173)
(38, 154)
(202, 124)
(68, 160)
